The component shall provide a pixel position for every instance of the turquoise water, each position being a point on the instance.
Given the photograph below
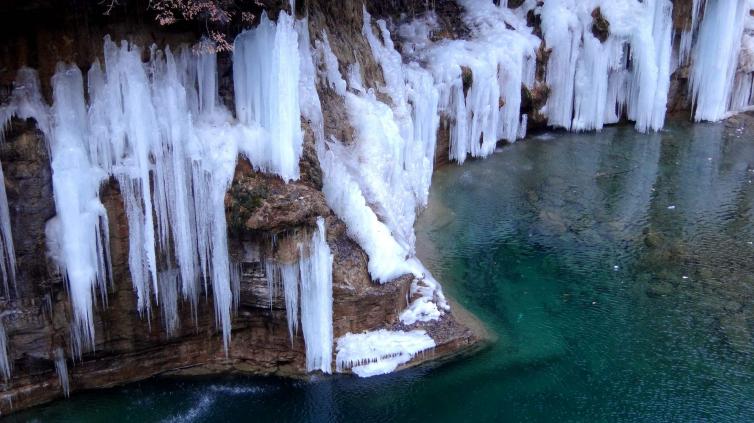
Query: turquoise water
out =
(616, 270)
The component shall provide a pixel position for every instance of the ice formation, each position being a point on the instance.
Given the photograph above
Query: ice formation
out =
(593, 83)
(61, 367)
(479, 80)
(715, 87)
(188, 151)
(4, 361)
(267, 93)
(307, 286)
(687, 34)
(7, 252)
(379, 352)
(78, 235)
(372, 171)
(743, 85)
(316, 301)
(429, 303)
(173, 167)
(379, 183)
(25, 102)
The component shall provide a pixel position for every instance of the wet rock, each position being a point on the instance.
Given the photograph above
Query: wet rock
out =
(467, 78)
(659, 289)
(652, 239)
(737, 332)
(600, 25)
(258, 202)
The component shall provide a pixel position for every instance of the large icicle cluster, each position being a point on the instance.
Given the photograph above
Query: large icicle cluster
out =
(188, 150)
(267, 93)
(480, 79)
(721, 69)
(78, 236)
(316, 300)
(594, 82)
(306, 280)
(160, 130)
(379, 352)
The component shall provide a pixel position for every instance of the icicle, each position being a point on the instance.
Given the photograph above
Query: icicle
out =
(5, 363)
(592, 80)
(61, 367)
(479, 79)
(742, 97)
(8, 259)
(271, 273)
(311, 107)
(651, 47)
(289, 273)
(175, 93)
(77, 235)
(687, 35)
(25, 102)
(716, 57)
(331, 71)
(266, 82)
(307, 285)
(169, 300)
(235, 284)
(316, 301)
(210, 184)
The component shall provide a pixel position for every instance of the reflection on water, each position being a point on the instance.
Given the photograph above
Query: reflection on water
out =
(616, 268)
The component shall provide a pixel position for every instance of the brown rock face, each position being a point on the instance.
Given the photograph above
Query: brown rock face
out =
(264, 203)
(29, 189)
(600, 25)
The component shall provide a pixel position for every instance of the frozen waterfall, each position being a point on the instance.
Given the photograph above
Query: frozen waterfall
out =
(267, 93)
(316, 300)
(715, 58)
(307, 286)
(159, 129)
(594, 82)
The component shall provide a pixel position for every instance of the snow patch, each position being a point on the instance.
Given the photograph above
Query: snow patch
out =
(379, 352)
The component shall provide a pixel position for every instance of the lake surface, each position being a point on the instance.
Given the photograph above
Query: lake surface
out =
(616, 269)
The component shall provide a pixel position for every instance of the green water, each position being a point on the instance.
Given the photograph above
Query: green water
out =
(616, 270)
